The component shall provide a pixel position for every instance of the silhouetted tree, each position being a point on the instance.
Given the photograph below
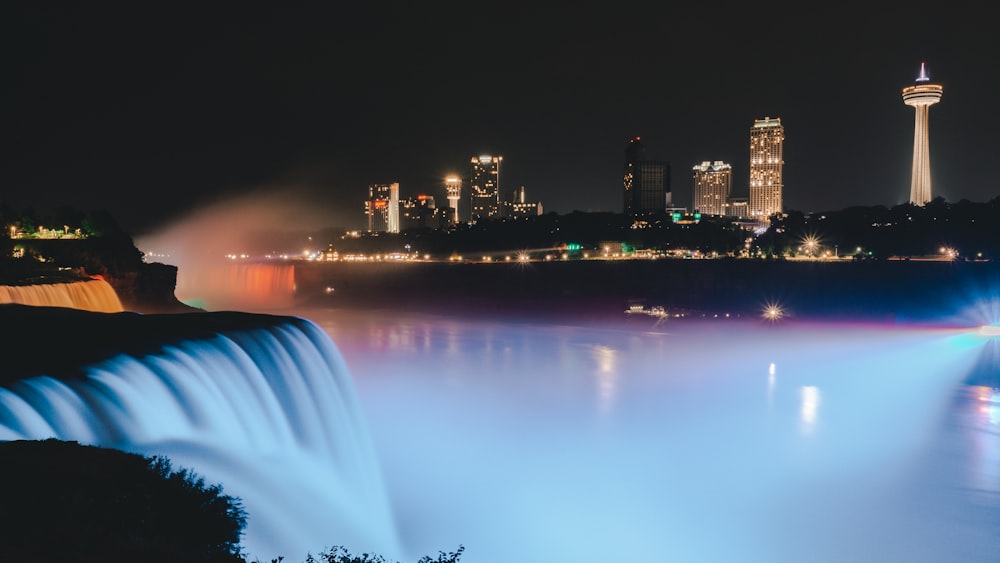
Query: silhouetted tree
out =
(340, 554)
(63, 501)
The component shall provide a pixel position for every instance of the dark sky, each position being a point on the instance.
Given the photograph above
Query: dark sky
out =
(152, 109)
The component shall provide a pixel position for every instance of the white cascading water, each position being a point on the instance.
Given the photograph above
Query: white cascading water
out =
(91, 295)
(267, 411)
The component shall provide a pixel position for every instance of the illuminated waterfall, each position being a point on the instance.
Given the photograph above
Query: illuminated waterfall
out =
(90, 295)
(262, 405)
(237, 286)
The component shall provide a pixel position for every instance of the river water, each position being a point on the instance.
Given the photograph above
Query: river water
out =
(863, 426)
(694, 441)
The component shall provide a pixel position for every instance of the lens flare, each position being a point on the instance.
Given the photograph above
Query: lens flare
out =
(989, 330)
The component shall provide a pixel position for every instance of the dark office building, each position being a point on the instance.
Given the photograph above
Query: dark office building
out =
(646, 186)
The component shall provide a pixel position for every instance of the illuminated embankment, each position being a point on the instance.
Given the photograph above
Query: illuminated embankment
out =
(261, 404)
(89, 295)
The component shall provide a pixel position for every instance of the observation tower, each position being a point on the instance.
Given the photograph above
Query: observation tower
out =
(921, 96)
(453, 186)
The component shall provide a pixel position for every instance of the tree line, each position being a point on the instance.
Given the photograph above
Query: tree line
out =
(872, 232)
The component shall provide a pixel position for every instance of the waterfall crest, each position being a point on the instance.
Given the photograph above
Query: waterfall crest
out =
(89, 295)
(262, 405)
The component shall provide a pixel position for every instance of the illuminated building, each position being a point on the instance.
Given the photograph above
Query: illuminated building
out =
(453, 188)
(713, 184)
(646, 183)
(519, 206)
(382, 208)
(420, 212)
(484, 187)
(921, 96)
(767, 137)
(738, 206)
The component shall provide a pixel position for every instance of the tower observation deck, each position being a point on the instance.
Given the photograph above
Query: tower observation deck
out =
(453, 187)
(921, 96)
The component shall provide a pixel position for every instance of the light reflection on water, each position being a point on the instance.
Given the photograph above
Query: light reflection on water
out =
(681, 442)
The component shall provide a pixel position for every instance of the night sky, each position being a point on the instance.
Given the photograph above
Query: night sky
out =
(150, 110)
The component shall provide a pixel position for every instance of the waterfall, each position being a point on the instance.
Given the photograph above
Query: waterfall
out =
(237, 286)
(262, 405)
(89, 295)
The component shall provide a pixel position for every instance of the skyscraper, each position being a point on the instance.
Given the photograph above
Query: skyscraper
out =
(921, 96)
(420, 212)
(713, 184)
(484, 187)
(382, 208)
(645, 183)
(453, 187)
(767, 138)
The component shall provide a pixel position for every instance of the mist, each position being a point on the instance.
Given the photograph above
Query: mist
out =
(228, 239)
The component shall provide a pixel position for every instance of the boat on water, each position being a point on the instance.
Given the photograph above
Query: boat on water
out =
(655, 311)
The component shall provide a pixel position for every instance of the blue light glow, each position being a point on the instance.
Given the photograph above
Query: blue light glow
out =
(270, 414)
(657, 445)
(565, 442)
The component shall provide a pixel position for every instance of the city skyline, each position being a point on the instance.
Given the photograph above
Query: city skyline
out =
(152, 115)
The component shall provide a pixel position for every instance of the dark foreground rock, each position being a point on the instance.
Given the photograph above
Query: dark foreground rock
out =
(59, 341)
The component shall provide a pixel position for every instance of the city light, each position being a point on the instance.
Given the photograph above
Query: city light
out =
(810, 244)
(773, 312)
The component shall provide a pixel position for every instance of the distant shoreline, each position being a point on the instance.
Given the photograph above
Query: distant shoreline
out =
(882, 290)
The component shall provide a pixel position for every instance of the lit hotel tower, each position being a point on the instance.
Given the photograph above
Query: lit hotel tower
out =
(767, 137)
(713, 184)
(453, 185)
(921, 96)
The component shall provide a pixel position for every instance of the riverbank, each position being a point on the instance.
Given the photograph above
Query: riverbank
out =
(877, 290)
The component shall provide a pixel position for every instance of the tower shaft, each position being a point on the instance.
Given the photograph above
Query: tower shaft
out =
(920, 183)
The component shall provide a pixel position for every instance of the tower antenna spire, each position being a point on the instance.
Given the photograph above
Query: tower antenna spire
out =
(923, 73)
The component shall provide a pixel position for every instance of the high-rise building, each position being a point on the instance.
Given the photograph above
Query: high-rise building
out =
(453, 189)
(421, 213)
(646, 183)
(921, 96)
(484, 187)
(767, 138)
(382, 208)
(713, 185)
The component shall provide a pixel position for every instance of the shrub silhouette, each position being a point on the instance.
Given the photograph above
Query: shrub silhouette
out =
(66, 502)
(63, 501)
(339, 554)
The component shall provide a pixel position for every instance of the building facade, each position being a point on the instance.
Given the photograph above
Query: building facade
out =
(421, 213)
(518, 206)
(382, 208)
(767, 139)
(484, 187)
(645, 182)
(713, 185)
(921, 96)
